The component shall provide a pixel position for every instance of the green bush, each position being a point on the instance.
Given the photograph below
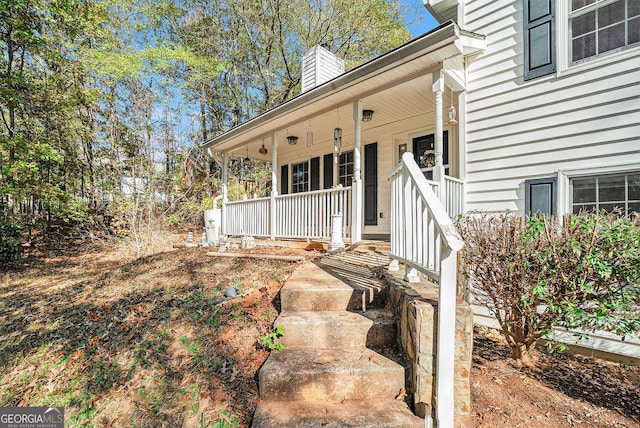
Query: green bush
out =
(537, 274)
(10, 238)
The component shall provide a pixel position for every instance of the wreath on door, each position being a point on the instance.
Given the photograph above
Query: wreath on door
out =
(428, 159)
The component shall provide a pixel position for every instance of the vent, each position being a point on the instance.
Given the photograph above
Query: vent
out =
(319, 65)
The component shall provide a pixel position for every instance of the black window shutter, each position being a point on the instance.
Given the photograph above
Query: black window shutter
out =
(540, 196)
(371, 184)
(284, 179)
(327, 169)
(539, 38)
(315, 173)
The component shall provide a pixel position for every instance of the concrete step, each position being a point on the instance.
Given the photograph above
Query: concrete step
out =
(322, 330)
(383, 328)
(312, 289)
(356, 414)
(329, 375)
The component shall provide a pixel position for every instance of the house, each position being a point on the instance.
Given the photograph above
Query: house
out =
(518, 105)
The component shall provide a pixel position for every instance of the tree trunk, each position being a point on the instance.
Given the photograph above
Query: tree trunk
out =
(522, 353)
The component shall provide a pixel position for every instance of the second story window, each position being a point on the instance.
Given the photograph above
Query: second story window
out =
(598, 26)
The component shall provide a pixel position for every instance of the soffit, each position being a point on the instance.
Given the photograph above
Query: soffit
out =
(396, 85)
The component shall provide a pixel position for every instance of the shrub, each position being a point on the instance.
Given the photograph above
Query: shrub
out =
(10, 237)
(537, 274)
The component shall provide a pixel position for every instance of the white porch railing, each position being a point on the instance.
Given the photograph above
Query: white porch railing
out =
(247, 218)
(454, 201)
(308, 215)
(299, 215)
(424, 238)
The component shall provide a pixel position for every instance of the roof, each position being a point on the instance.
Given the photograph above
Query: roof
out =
(399, 65)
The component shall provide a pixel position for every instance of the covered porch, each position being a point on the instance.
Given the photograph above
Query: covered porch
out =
(334, 147)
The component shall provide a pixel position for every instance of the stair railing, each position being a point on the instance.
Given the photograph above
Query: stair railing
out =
(424, 238)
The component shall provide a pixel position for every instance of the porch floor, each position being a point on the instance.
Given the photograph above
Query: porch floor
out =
(364, 245)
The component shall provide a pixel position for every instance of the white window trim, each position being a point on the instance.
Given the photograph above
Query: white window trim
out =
(563, 51)
(565, 177)
(291, 165)
(344, 152)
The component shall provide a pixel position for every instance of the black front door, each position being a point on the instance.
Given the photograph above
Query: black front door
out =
(425, 154)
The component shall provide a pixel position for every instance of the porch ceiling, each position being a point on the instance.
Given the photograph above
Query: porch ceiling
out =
(395, 86)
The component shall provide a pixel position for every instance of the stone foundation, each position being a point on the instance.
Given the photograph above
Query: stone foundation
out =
(415, 307)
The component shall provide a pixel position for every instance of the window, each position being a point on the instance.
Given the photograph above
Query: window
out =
(300, 177)
(345, 173)
(607, 193)
(598, 26)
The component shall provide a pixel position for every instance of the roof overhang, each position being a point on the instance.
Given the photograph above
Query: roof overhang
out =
(415, 58)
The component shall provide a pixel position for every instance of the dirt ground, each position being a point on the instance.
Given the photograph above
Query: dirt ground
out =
(564, 390)
(144, 342)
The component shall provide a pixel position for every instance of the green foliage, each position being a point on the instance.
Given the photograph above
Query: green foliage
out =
(95, 94)
(271, 340)
(10, 237)
(537, 274)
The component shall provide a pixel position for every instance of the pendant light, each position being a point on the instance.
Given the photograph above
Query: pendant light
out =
(452, 112)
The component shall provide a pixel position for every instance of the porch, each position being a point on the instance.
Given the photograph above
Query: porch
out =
(308, 215)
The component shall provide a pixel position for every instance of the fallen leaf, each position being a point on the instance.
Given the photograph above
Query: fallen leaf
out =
(401, 394)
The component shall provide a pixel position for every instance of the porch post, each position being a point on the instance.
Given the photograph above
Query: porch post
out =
(438, 169)
(356, 186)
(274, 186)
(223, 215)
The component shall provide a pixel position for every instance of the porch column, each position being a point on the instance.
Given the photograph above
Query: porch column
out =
(438, 169)
(356, 186)
(223, 215)
(274, 186)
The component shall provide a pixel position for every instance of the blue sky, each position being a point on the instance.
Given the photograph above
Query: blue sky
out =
(417, 18)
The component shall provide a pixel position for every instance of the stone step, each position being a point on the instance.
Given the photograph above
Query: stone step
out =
(322, 330)
(383, 329)
(312, 289)
(356, 414)
(329, 375)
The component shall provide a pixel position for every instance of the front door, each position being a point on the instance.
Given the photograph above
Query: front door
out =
(425, 154)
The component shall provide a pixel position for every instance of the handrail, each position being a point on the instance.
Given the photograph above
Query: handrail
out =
(314, 192)
(424, 238)
(452, 238)
(240, 201)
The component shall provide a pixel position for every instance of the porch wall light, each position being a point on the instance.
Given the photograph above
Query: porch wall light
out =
(292, 140)
(367, 115)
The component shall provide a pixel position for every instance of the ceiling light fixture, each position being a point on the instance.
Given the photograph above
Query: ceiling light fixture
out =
(292, 140)
(367, 115)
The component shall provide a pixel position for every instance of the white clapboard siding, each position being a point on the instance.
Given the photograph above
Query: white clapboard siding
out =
(583, 117)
